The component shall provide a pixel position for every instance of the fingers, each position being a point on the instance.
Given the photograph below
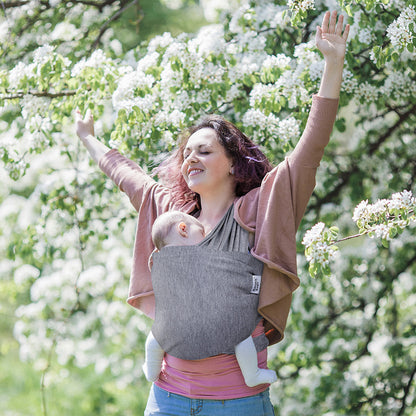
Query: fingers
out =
(340, 25)
(346, 32)
(332, 22)
(325, 22)
(88, 116)
(330, 25)
(318, 35)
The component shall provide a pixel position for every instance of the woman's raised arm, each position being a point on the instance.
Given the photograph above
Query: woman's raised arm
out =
(331, 40)
(85, 131)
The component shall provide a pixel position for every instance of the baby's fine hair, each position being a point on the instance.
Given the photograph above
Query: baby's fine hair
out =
(164, 223)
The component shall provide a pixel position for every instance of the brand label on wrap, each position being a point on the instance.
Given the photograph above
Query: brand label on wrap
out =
(255, 288)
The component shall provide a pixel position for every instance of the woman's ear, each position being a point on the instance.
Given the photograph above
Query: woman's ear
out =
(182, 229)
(232, 170)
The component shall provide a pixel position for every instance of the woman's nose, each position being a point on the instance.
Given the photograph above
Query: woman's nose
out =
(192, 157)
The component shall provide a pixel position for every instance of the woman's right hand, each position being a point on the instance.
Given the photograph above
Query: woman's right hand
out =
(84, 127)
(85, 131)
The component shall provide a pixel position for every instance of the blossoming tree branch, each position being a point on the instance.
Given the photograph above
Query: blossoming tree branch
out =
(67, 235)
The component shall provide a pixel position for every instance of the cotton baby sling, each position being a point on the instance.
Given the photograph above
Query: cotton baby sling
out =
(207, 295)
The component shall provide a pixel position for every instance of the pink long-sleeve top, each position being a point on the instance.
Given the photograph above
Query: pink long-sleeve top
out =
(272, 212)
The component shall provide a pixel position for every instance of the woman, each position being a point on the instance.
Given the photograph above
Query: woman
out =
(217, 170)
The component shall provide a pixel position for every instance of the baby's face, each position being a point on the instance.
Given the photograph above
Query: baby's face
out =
(196, 233)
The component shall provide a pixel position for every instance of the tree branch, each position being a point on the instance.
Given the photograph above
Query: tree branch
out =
(110, 20)
(100, 5)
(11, 4)
(39, 94)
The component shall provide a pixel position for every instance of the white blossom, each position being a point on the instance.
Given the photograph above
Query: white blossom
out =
(367, 91)
(399, 31)
(279, 61)
(25, 273)
(366, 36)
(42, 54)
(260, 92)
(161, 41)
(65, 31)
(288, 130)
(301, 5)
(21, 71)
(148, 61)
(313, 234)
(125, 97)
(349, 83)
(319, 246)
(96, 60)
(403, 201)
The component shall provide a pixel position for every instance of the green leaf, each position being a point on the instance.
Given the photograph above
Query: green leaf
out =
(340, 124)
(348, 10)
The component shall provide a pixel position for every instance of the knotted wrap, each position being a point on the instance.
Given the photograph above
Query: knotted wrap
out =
(204, 300)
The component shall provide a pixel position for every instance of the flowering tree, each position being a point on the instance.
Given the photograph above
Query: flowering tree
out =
(350, 344)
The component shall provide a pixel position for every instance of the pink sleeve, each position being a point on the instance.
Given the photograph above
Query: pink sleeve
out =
(306, 157)
(133, 180)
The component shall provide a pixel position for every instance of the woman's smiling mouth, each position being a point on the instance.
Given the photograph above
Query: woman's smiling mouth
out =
(194, 171)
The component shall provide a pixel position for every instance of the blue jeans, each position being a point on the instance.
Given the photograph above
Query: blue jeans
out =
(163, 403)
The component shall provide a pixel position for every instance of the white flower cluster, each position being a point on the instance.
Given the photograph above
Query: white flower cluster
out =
(386, 216)
(4, 29)
(399, 85)
(301, 5)
(42, 54)
(280, 61)
(65, 31)
(316, 70)
(367, 92)
(124, 96)
(261, 92)
(259, 120)
(400, 31)
(32, 105)
(262, 14)
(160, 42)
(288, 130)
(318, 242)
(366, 36)
(349, 83)
(96, 60)
(21, 71)
(269, 14)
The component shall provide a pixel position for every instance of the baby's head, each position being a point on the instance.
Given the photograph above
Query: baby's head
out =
(175, 228)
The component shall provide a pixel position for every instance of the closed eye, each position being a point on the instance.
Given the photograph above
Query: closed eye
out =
(186, 155)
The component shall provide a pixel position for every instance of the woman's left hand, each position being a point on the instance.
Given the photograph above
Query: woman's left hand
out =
(331, 38)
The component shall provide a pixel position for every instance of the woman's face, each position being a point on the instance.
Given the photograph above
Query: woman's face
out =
(206, 167)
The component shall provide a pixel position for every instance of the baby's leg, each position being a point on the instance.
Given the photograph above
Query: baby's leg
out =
(246, 355)
(153, 358)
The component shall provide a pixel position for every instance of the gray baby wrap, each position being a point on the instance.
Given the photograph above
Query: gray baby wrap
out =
(207, 295)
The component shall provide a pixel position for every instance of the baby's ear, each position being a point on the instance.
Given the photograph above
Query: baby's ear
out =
(182, 229)
(150, 262)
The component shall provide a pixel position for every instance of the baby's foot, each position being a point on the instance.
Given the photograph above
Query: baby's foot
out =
(262, 376)
(151, 372)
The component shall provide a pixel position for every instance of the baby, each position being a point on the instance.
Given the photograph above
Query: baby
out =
(176, 228)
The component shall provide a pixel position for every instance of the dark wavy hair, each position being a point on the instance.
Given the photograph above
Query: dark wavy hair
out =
(250, 163)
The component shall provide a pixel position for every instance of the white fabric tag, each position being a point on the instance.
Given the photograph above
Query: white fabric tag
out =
(255, 288)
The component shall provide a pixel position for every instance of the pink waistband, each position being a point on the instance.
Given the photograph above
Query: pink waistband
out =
(216, 378)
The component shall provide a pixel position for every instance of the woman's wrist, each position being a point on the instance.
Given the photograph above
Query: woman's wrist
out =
(95, 147)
